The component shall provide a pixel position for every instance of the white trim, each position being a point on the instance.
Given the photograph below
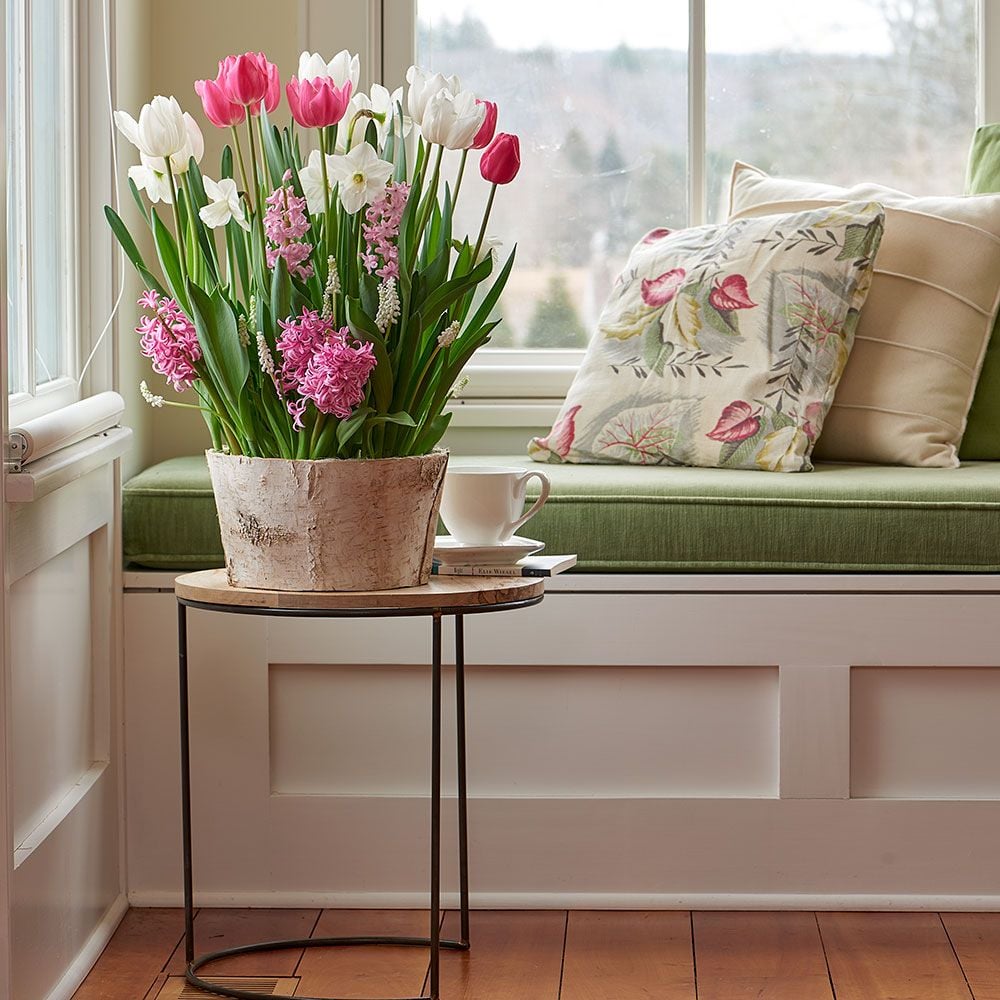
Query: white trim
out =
(988, 104)
(74, 976)
(697, 103)
(579, 900)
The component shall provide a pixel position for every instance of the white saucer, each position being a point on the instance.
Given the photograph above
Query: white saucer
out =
(452, 552)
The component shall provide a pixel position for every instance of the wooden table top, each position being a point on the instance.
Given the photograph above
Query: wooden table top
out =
(446, 593)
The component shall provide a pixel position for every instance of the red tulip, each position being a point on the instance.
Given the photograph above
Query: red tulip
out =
(501, 162)
(319, 102)
(485, 134)
(219, 110)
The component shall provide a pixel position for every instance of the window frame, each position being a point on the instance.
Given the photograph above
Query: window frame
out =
(505, 378)
(32, 398)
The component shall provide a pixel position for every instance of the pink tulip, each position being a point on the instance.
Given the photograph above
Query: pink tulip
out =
(319, 102)
(501, 162)
(250, 79)
(485, 134)
(219, 110)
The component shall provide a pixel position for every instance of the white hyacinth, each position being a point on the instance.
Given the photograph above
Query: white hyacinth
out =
(388, 304)
(449, 335)
(150, 398)
(267, 360)
(242, 332)
(332, 287)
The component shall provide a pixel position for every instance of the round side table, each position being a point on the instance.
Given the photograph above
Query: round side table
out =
(442, 597)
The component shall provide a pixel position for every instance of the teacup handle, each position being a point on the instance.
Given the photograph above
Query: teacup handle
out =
(537, 505)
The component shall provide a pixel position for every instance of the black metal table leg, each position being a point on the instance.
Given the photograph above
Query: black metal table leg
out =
(435, 934)
(463, 811)
(182, 650)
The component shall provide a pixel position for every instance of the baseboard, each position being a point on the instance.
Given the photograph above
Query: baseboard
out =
(578, 901)
(91, 951)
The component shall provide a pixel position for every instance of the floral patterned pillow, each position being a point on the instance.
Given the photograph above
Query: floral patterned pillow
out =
(722, 346)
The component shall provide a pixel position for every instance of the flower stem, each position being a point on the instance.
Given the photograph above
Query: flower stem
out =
(240, 160)
(482, 228)
(181, 236)
(253, 165)
(326, 190)
(458, 180)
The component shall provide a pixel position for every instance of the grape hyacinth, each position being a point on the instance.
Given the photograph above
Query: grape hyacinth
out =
(285, 224)
(382, 220)
(168, 338)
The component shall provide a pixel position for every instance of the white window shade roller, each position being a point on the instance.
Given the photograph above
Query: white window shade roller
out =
(34, 439)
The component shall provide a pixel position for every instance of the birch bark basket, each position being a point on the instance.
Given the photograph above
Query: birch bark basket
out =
(328, 524)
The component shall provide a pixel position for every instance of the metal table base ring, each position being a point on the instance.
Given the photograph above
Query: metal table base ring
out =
(433, 942)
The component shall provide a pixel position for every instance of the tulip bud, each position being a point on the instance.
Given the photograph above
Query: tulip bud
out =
(485, 134)
(243, 79)
(319, 102)
(501, 162)
(219, 110)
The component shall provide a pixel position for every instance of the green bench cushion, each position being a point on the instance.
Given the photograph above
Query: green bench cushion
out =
(627, 519)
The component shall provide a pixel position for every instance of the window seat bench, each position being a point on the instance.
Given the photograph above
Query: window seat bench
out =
(628, 519)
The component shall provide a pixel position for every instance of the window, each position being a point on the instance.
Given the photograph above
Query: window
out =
(631, 114)
(42, 202)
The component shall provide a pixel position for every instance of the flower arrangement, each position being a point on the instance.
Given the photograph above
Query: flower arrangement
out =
(315, 299)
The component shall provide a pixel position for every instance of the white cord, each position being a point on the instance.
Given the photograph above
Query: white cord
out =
(117, 196)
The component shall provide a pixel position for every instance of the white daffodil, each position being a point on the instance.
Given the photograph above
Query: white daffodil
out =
(382, 106)
(362, 177)
(342, 67)
(311, 178)
(423, 86)
(154, 182)
(163, 130)
(452, 120)
(223, 204)
(490, 248)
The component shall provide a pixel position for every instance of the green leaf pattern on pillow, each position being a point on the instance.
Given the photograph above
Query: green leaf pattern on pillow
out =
(722, 346)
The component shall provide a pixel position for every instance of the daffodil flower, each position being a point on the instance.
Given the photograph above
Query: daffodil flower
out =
(362, 176)
(223, 204)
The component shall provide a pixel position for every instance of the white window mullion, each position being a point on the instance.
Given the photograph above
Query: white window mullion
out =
(988, 105)
(696, 113)
(19, 333)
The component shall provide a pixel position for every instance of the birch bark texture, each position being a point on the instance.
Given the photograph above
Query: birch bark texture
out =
(329, 524)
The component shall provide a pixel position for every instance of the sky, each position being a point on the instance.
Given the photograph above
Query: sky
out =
(733, 25)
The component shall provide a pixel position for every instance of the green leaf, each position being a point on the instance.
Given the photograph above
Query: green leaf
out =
(272, 149)
(225, 357)
(493, 295)
(364, 328)
(226, 170)
(281, 292)
(349, 427)
(402, 418)
(124, 237)
(431, 434)
(170, 263)
(138, 200)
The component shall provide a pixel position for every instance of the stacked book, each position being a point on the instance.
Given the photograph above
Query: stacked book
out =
(529, 566)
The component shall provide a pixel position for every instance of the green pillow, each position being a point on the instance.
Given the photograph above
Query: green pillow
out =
(982, 432)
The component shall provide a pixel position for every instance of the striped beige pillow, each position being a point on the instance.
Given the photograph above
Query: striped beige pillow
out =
(906, 392)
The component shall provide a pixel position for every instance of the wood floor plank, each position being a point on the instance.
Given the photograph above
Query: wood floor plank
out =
(976, 939)
(382, 971)
(139, 950)
(215, 929)
(764, 956)
(628, 956)
(515, 954)
(891, 956)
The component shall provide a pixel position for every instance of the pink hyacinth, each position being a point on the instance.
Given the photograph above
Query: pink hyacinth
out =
(285, 224)
(383, 218)
(168, 338)
(299, 340)
(337, 375)
(319, 363)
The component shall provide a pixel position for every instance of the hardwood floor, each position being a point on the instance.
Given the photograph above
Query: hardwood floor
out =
(555, 955)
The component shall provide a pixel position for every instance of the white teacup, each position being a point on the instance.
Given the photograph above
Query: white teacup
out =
(482, 505)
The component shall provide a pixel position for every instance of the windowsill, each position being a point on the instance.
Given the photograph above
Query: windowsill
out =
(486, 413)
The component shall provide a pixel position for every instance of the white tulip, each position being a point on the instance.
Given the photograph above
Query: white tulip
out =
(223, 204)
(341, 68)
(423, 86)
(311, 178)
(452, 120)
(362, 177)
(163, 130)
